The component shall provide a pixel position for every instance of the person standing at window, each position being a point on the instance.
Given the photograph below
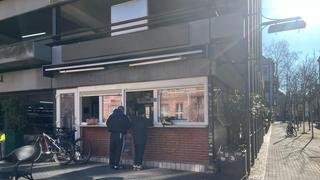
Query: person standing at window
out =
(139, 128)
(118, 124)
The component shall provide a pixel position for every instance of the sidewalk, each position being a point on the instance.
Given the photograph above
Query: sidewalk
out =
(259, 169)
(288, 158)
(100, 171)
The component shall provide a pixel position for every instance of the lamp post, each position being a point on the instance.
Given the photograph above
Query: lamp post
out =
(318, 91)
(319, 69)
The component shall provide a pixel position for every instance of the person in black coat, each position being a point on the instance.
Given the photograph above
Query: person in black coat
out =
(118, 124)
(139, 128)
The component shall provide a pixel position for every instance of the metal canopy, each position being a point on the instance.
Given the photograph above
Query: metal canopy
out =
(136, 60)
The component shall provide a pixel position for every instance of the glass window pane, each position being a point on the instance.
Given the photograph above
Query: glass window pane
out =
(67, 110)
(135, 101)
(182, 104)
(164, 110)
(90, 109)
(109, 103)
(126, 11)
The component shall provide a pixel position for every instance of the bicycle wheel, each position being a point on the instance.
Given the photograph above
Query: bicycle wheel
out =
(65, 154)
(294, 132)
(288, 132)
(40, 152)
(38, 145)
(82, 150)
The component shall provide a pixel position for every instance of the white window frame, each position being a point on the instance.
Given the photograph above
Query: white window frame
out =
(161, 110)
(187, 124)
(100, 120)
(154, 86)
(76, 108)
(180, 112)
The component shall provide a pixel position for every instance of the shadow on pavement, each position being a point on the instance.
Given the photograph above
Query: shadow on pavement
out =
(306, 144)
(100, 171)
(285, 137)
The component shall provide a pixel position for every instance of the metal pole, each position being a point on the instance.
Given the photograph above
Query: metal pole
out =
(318, 92)
(319, 69)
(312, 120)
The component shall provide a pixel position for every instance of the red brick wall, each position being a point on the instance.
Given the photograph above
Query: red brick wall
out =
(99, 138)
(180, 145)
(177, 145)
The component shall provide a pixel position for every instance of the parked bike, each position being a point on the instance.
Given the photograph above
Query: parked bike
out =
(82, 146)
(62, 150)
(291, 131)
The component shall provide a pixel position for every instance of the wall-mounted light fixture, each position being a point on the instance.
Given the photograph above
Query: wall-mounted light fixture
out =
(157, 61)
(32, 35)
(45, 102)
(80, 70)
(67, 68)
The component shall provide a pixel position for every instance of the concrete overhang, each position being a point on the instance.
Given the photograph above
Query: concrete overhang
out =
(11, 8)
(24, 55)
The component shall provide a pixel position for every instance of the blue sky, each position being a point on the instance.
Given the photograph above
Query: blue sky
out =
(305, 40)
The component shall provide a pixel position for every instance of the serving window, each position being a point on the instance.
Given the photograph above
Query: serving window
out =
(181, 105)
(95, 109)
(90, 108)
(110, 103)
(180, 102)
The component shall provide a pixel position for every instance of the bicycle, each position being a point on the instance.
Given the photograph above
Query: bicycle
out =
(82, 146)
(291, 131)
(62, 150)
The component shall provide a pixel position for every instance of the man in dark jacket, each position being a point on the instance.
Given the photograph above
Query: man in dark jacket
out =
(139, 128)
(118, 124)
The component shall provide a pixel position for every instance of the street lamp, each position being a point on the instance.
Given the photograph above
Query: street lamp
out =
(287, 24)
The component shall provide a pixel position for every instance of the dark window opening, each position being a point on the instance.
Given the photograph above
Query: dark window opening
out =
(35, 109)
(90, 108)
(141, 99)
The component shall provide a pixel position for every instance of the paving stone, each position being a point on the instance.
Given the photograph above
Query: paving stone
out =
(280, 158)
(289, 158)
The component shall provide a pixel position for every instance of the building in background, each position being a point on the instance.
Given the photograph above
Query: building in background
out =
(180, 59)
(270, 84)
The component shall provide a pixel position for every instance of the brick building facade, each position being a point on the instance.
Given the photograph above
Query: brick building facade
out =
(94, 55)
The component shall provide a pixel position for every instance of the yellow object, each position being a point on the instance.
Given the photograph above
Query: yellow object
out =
(2, 137)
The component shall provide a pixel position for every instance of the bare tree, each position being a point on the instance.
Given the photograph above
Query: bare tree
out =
(283, 58)
(285, 61)
(307, 71)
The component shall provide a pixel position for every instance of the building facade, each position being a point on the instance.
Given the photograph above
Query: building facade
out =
(270, 84)
(179, 59)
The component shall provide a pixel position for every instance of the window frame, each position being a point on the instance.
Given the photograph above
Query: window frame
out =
(129, 24)
(100, 119)
(155, 86)
(182, 123)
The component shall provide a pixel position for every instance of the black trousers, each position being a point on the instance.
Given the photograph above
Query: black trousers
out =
(138, 153)
(116, 145)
